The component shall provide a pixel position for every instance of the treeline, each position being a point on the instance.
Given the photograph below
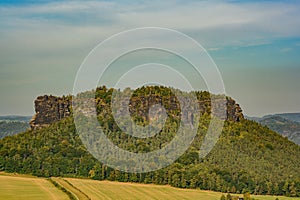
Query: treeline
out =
(246, 196)
(247, 157)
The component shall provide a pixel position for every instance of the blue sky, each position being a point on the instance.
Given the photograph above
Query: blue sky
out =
(255, 44)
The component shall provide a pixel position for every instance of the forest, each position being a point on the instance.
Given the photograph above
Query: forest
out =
(248, 157)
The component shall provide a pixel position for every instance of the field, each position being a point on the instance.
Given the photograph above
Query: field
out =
(27, 187)
(31, 188)
(126, 191)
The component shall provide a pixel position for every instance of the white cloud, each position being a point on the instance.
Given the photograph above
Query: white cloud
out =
(62, 28)
(285, 50)
(211, 22)
(214, 49)
(63, 7)
(50, 40)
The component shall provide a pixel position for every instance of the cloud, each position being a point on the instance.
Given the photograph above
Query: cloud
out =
(213, 23)
(285, 50)
(49, 40)
(214, 49)
(62, 28)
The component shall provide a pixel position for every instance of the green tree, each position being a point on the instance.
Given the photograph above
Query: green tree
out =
(228, 197)
(223, 197)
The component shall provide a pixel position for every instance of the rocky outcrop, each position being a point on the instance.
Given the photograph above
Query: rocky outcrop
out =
(234, 111)
(140, 106)
(51, 109)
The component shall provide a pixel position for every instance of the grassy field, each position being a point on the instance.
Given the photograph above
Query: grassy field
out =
(126, 191)
(77, 193)
(26, 187)
(33, 188)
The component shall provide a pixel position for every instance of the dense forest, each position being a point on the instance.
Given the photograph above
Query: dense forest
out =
(247, 157)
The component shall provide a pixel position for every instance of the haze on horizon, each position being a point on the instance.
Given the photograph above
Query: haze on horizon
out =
(255, 44)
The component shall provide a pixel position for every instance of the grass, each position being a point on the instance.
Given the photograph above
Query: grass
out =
(26, 187)
(260, 197)
(69, 187)
(116, 190)
(71, 195)
(32, 188)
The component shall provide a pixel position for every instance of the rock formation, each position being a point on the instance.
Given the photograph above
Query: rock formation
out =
(51, 109)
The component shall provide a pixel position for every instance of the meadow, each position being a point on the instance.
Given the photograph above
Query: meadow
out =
(134, 191)
(28, 188)
(14, 186)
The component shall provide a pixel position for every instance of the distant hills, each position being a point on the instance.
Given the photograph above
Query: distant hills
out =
(15, 118)
(286, 124)
(13, 124)
(290, 116)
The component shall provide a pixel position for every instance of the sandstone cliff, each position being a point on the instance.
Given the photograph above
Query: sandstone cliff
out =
(51, 109)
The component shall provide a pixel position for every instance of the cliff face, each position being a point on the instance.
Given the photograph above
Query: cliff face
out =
(141, 105)
(234, 111)
(51, 109)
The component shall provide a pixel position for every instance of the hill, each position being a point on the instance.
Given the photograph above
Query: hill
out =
(12, 127)
(290, 116)
(13, 124)
(247, 158)
(15, 118)
(284, 124)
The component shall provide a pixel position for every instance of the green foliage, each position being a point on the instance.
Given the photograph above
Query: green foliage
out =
(247, 158)
(228, 197)
(223, 197)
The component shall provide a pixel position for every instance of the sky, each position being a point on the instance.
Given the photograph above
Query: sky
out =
(255, 45)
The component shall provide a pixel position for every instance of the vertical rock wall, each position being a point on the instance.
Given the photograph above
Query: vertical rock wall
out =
(51, 109)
